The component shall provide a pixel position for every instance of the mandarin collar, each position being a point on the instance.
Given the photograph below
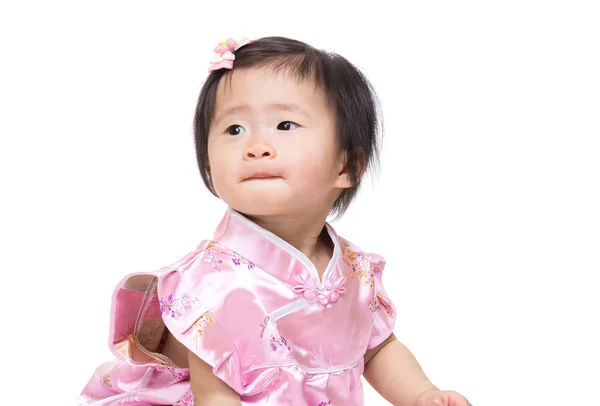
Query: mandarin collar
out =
(270, 252)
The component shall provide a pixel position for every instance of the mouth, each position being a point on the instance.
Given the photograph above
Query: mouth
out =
(262, 175)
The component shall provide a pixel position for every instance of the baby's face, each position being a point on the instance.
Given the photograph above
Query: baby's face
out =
(272, 148)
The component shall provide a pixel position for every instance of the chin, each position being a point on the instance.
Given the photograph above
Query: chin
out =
(263, 199)
(258, 199)
(251, 210)
(262, 206)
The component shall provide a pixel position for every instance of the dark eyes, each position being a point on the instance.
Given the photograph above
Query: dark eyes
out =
(287, 126)
(283, 126)
(235, 130)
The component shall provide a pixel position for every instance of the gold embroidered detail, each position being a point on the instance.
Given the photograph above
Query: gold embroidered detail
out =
(359, 264)
(264, 326)
(214, 253)
(106, 380)
(386, 303)
(206, 318)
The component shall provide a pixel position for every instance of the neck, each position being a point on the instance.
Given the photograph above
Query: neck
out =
(305, 233)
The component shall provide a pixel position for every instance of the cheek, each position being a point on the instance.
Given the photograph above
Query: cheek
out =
(312, 167)
(220, 169)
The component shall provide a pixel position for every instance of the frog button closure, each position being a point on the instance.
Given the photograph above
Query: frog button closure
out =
(329, 293)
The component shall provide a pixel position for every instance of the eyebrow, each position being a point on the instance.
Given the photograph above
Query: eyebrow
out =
(292, 107)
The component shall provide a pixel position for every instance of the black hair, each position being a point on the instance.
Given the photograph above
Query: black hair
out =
(349, 93)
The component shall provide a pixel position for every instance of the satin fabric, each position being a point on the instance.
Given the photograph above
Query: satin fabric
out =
(254, 308)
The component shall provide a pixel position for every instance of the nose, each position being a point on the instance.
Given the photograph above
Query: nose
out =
(259, 150)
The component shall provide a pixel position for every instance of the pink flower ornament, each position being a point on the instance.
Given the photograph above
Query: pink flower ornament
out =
(225, 53)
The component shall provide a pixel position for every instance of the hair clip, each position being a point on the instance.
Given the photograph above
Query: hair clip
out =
(224, 53)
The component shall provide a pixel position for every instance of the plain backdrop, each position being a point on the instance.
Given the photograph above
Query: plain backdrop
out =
(486, 208)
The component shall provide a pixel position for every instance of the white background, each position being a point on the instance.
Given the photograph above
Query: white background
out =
(487, 206)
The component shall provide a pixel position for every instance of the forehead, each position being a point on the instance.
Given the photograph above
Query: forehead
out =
(259, 88)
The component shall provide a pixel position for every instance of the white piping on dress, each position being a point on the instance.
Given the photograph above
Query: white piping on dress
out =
(278, 314)
(290, 249)
(309, 371)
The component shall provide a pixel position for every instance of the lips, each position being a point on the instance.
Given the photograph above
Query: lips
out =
(262, 175)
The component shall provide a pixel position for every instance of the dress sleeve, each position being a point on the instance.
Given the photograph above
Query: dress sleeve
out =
(186, 313)
(384, 311)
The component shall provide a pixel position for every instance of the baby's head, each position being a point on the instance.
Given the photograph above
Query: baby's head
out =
(290, 130)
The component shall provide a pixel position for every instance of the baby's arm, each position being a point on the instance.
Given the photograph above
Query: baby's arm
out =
(394, 372)
(206, 387)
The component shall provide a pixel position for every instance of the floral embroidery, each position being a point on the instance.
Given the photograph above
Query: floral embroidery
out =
(179, 375)
(106, 380)
(207, 318)
(210, 259)
(386, 304)
(264, 326)
(186, 400)
(276, 343)
(374, 306)
(359, 264)
(311, 289)
(380, 302)
(176, 306)
(213, 252)
(237, 260)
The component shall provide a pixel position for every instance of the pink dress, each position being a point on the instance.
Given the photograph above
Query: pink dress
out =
(252, 306)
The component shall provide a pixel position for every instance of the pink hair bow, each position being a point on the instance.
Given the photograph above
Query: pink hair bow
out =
(310, 289)
(224, 53)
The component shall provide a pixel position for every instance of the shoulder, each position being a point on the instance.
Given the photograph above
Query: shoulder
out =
(353, 255)
(363, 265)
(204, 275)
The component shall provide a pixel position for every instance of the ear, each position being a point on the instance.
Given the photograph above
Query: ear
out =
(344, 180)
